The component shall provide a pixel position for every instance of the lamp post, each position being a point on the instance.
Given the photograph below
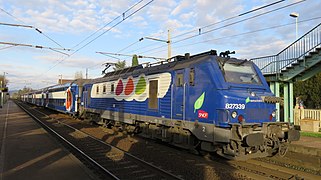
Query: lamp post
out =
(295, 15)
(3, 90)
(4, 79)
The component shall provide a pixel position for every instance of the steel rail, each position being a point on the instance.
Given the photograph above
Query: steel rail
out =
(111, 146)
(69, 143)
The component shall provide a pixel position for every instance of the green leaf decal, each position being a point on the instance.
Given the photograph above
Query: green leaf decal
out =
(141, 86)
(247, 100)
(199, 102)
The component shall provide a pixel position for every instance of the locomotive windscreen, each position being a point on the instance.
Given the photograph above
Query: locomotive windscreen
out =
(241, 73)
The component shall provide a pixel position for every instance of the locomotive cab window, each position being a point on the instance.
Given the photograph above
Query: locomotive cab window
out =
(179, 79)
(244, 73)
(191, 77)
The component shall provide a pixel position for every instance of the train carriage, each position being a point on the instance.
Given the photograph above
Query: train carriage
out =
(38, 98)
(65, 98)
(203, 102)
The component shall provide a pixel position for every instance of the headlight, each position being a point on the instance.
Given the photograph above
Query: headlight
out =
(273, 114)
(234, 114)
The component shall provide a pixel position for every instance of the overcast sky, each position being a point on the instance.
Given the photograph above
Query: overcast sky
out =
(69, 24)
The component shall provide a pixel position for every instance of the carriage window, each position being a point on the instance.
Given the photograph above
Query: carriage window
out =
(191, 77)
(112, 88)
(104, 89)
(179, 79)
(97, 89)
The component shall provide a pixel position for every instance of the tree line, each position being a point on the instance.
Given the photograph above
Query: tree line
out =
(309, 91)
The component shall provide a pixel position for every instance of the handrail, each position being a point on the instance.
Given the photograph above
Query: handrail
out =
(291, 54)
(300, 38)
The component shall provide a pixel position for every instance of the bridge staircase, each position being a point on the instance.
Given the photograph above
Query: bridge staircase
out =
(298, 62)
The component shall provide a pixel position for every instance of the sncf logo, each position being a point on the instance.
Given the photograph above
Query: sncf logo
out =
(202, 114)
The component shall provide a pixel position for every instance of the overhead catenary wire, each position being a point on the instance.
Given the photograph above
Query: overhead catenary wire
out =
(230, 18)
(240, 21)
(118, 17)
(124, 18)
(129, 45)
(104, 32)
(28, 26)
(108, 55)
(241, 34)
(15, 25)
(7, 47)
(127, 55)
(230, 24)
(141, 39)
(37, 46)
(206, 26)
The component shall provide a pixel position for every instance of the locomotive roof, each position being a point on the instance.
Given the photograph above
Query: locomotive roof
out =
(177, 62)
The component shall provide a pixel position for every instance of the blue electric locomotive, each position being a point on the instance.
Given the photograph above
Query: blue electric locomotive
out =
(203, 102)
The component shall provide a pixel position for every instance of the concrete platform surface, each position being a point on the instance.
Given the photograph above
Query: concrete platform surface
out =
(307, 145)
(29, 152)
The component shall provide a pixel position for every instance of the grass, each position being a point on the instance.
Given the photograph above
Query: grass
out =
(311, 134)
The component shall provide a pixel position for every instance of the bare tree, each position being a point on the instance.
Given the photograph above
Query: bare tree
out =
(78, 75)
(120, 65)
(3, 81)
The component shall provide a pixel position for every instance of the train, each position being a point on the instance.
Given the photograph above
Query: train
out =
(205, 103)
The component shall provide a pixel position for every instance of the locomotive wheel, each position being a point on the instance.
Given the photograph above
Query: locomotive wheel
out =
(283, 149)
(274, 145)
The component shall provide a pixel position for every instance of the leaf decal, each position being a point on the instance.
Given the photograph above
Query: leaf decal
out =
(247, 100)
(129, 87)
(119, 88)
(141, 86)
(199, 102)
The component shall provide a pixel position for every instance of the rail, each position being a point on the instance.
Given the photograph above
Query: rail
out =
(291, 54)
(95, 151)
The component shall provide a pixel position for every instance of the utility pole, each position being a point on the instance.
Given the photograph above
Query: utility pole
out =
(86, 73)
(60, 79)
(168, 41)
(3, 90)
(169, 49)
(4, 79)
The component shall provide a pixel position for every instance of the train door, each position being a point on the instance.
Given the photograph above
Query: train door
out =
(153, 91)
(178, 95)
(47, 99)
(42, 102)
(86, 96)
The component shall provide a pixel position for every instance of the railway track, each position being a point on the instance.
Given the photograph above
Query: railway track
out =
(118, 161)
(110, 161)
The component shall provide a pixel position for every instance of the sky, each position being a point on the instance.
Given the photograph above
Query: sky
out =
(72, 32)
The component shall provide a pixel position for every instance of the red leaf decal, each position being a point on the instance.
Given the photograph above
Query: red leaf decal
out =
(119, 88)
(129, 87)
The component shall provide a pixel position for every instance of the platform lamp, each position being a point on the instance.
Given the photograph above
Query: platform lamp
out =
(295, 15)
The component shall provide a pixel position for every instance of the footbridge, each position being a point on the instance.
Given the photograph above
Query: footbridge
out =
(298, 62)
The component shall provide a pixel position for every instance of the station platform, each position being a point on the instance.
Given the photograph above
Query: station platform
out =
(29, 152)
(307, 145)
